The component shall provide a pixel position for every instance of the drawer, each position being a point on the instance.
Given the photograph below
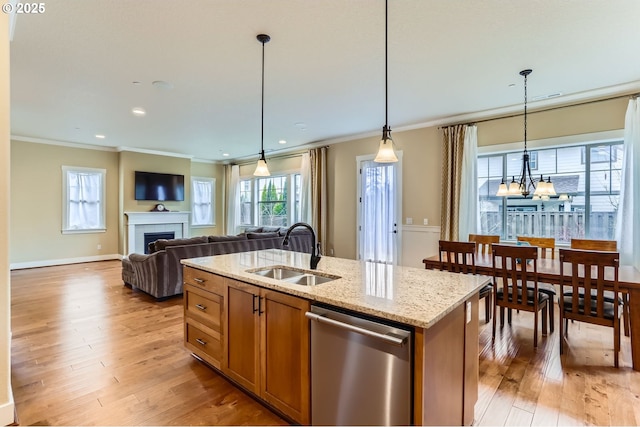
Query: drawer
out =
(204, 280)
(205, 306)
(203, 342)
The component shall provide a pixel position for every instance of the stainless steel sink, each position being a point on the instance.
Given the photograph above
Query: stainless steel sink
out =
(292, 275)
(278, 273)
(309, 280)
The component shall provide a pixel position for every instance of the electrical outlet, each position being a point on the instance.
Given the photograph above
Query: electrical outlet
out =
(426, 221)
(99, 246)
(409, 221)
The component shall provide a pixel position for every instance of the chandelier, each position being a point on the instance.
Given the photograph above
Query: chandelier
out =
(526, 185)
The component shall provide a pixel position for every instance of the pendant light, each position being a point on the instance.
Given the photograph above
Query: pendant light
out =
(261, 167)
(525, 184)
(386, 152)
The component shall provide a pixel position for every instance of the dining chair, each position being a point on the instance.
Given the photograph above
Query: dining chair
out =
(513, 266)
(546, 245)
(585, 300)
(611, 246)
(484, 241)
(460, 257)
(594, 245)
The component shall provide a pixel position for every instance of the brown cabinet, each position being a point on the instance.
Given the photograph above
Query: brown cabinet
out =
(204, 315)
(267, 347)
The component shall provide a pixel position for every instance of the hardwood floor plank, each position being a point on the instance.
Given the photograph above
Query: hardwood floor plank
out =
(87, 350)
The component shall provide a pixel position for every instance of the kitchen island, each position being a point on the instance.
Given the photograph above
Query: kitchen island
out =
(229, 309)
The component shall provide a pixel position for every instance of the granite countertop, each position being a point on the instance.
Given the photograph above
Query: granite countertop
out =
(407, 295)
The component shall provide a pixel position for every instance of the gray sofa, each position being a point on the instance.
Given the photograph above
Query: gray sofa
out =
(159, 273)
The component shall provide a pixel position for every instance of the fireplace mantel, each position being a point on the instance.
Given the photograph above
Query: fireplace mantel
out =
(139, 222)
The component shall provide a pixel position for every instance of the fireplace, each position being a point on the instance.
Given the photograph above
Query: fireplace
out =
(152, 237)
(141, 223)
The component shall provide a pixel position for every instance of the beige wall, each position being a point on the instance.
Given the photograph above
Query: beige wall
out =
(422, 168)
(575, 120)
(6, 400)
(421, 183)
(36, 203)
(277, 165)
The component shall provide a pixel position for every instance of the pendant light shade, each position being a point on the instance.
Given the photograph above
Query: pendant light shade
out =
(261, 167)
(386, 150)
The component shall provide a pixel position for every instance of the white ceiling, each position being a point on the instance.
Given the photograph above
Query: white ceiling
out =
(73, 67)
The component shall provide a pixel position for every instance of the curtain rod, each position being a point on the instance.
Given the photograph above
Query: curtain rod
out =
(632, 96)
(276, 157)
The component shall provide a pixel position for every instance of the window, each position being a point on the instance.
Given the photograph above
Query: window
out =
(83, 192)
(203, 193)
(587, 180)
(270, 201)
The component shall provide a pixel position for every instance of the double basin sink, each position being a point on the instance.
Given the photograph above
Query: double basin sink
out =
(292, 275)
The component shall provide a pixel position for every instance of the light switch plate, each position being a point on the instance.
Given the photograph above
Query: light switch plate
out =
(409, 221)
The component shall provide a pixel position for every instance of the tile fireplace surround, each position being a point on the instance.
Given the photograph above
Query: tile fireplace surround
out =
(139, 223)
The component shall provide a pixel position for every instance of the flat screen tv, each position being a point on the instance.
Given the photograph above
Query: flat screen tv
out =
(159, 186)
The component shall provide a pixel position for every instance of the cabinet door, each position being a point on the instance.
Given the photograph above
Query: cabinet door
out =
(285, 354)
(243, 335)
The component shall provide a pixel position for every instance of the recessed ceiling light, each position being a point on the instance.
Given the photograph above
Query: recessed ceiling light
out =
(512, 85)
(138, 111)
(161, 84)
(282, 141)
(100, 136)
(137, 83)
(225, 154)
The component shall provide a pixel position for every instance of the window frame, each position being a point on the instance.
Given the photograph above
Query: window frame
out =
(102, 227)
(586, 141)
(212, 202)
(293, 211)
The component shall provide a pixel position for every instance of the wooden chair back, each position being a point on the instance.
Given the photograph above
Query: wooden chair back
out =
(510, 266)
(585, 300)
(594, 245)
(458, 257)
(546, 244)
(484, 242)
(516, 269)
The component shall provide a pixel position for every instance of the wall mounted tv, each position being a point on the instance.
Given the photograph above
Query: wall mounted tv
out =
(159, 186)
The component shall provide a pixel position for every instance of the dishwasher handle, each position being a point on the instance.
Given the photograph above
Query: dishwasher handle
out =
(390, 339)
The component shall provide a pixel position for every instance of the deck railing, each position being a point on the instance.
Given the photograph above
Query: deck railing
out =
(563, 226)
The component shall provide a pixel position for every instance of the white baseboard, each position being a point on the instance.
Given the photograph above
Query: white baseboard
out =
(8, 410)
(63, 261)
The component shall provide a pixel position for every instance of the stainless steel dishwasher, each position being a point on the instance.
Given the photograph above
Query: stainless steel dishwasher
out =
(360, 370)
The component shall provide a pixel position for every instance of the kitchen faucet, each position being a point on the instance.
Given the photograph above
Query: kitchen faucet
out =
(315, 247)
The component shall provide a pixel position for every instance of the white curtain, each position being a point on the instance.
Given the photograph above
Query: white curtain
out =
(233, 207)
(202, 202)
(84, 200)
(469, 216)
(305, 189)
(627, 227)
(378, 212)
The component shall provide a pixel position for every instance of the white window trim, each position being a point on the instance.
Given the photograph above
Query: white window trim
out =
(556, 142)
(213, 201)
(290, 175)
(65, 200)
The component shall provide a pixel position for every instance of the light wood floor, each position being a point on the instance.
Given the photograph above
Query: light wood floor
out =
(87, 350)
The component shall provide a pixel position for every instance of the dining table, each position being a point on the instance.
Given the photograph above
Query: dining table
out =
(549, 272)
